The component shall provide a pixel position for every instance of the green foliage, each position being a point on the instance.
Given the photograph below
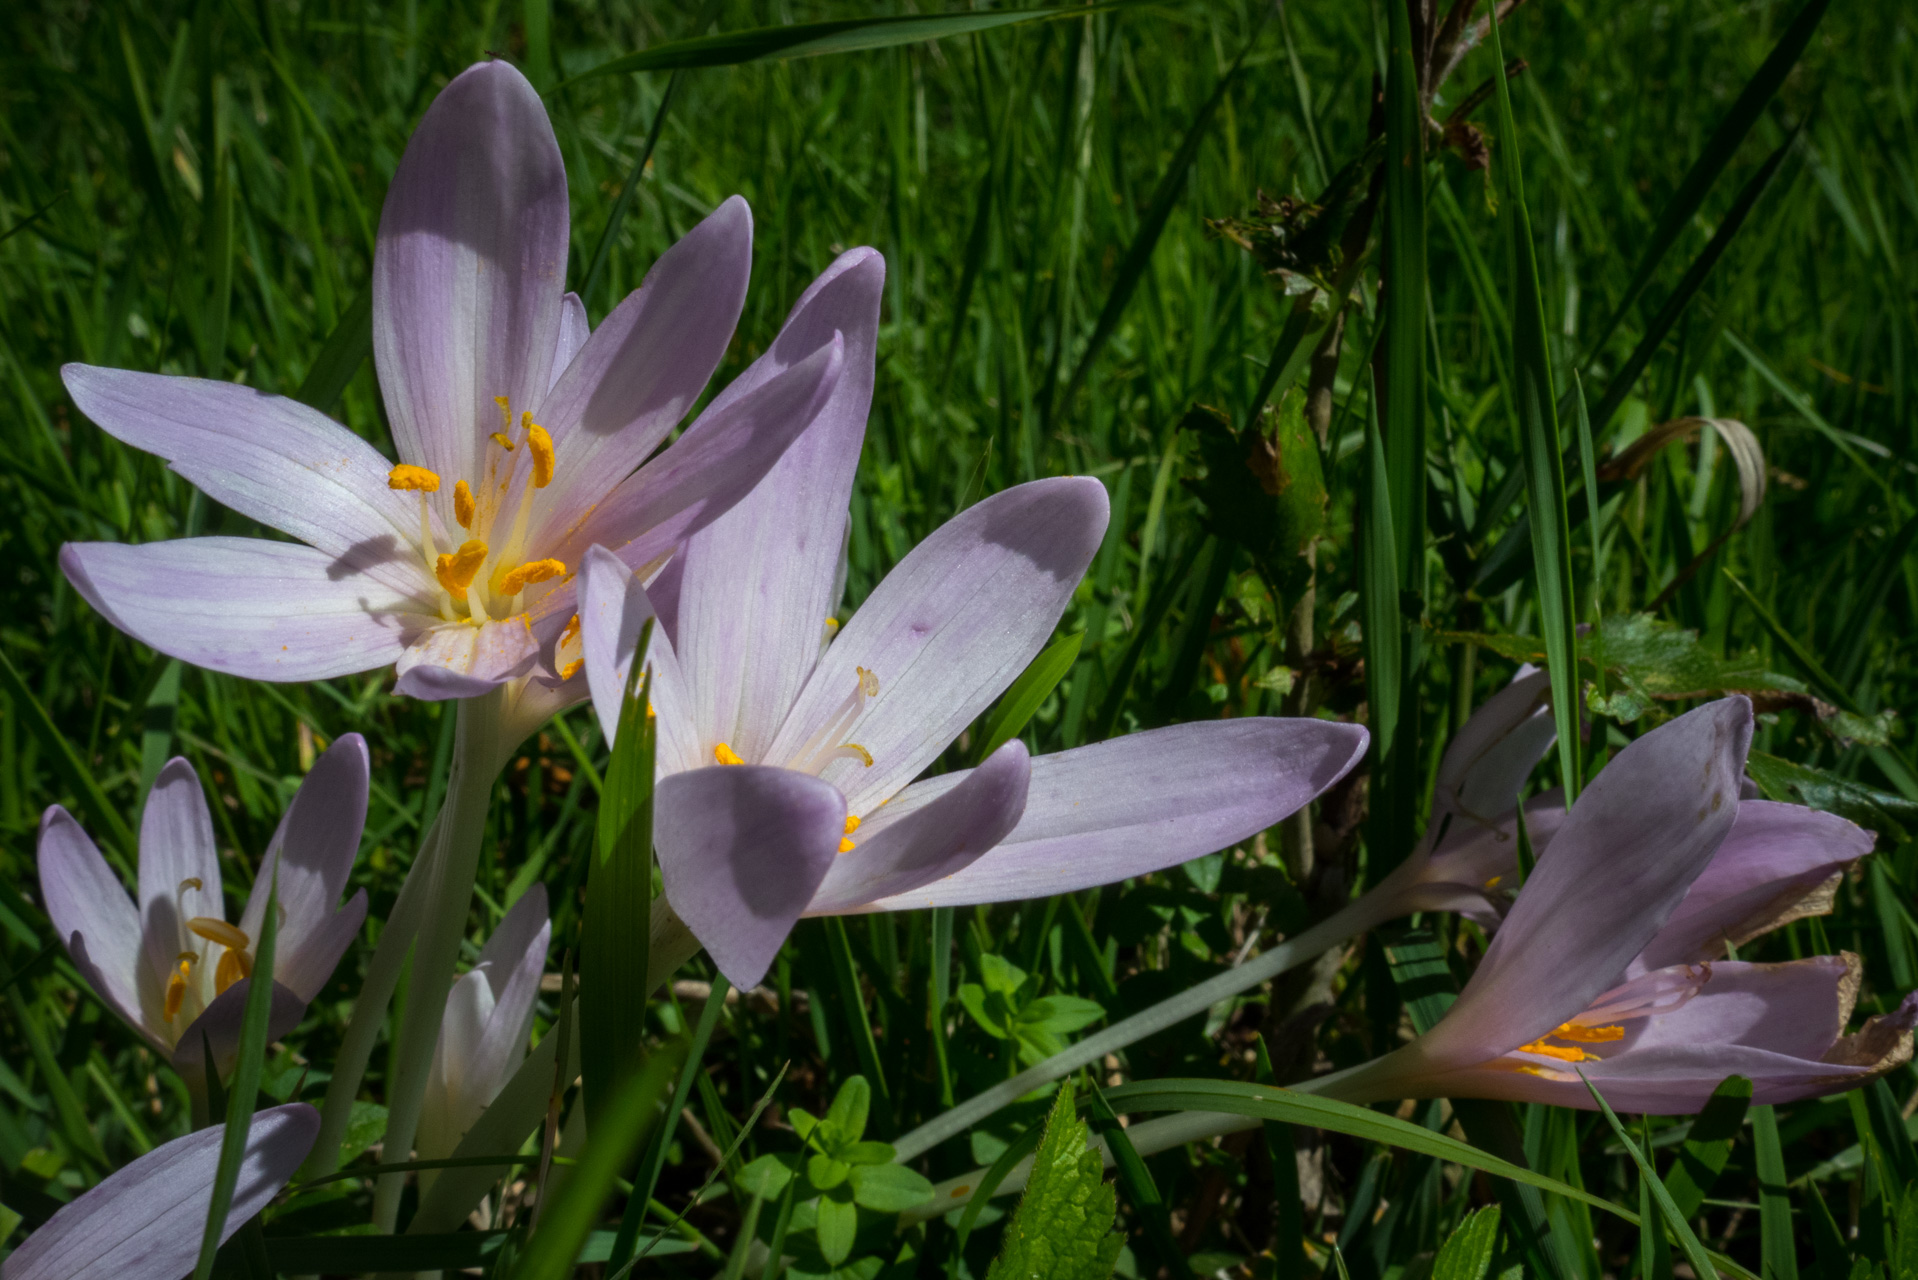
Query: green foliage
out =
(1007, 1006)
(1467, 1252)
(1063, 1227)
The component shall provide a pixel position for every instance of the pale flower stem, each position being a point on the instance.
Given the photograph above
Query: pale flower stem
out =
(369, 1009)
(446, 900)
(1352, 920)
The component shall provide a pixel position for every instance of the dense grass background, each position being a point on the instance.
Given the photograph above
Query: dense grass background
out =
(191, 187)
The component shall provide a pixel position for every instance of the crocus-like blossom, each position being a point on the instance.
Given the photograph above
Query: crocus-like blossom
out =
(145, 1221)
(489, 1014)
(1599, 967)
(170, 962)
(518, 434)
(786, 743)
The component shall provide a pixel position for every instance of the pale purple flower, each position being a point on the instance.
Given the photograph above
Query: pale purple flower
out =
(145, 1221)
(1601, 965)
(489, 1014)
(786, 743)
(170, 962)
(518, 435)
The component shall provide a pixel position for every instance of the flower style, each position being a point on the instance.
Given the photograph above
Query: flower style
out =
(489, 1014)
(144, 1222)
(786, 743)
(518, 433)
(171, 963)
(1602, 966)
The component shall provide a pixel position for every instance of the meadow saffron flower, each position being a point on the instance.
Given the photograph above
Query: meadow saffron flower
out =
(788, 745)
(170, 962)
(518, 433)
(144, 1222)
(489, 1015)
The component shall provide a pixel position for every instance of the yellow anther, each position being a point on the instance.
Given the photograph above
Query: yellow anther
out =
(868, 682)
(503, 440)
(191, 882)
(176, 985)
(832, 625)
(540, 445)
(864, 755)
(527, 574)
(1589, 1035)
(571, 669)
(852, 823)
(464, 508)
(846, 846)
(505, 415)
(572, 630)
(726, 755)
(408, 476)
(1561, 1052)
(233, 966)
(217, 930)
(1493, 882)
(457, 568)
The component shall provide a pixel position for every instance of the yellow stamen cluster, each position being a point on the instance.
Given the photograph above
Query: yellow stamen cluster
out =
(852, 824)
(1574, 1032)
(408, 477)
(724, 754)
(457, 569)
(525, 575)
(464, 508)
(541, 446)
(176, 984)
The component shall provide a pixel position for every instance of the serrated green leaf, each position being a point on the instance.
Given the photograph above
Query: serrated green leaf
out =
(1062, 1229)
(1791, 783)
(1467, 1252)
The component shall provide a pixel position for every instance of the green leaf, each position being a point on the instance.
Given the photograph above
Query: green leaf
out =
(1062, 1228)
(1777, 1241)
(1060, 1014)
(1379, 597)
(852, 1003)
(1467, 1252)
(1264, 487)
(850, 1108)
(837, 1225)
(972, 997)
(1022, 701)
(619, 887)
(889, 1188)
(810, 39)
(1708, 1145)
(867, 1153)
(766, 1176)
(452, 1251)
(1792, 783)
(1536, 408)
(344, 351)
(244, 1092)
(825, 1173)
(1674, 1220)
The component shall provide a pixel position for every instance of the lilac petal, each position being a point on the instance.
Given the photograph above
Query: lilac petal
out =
(712, 467)
(245, 606)
(143, 1222)
(950, 627)
(742, 849)
(290, 467)
(313, 852)
(176, 849)
(1490, 758)
(574, 329)
(614, 606)
(512, 960)
(92, 913)
(1797, 1008)
(646, 364)
(459, 660)
(935, 841)
(1099, 814)
(221, 1022)
(467, 274)
(1617, 869)
(1775, 855)
(756, 587)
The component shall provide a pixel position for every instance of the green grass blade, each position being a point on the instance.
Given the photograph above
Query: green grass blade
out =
(345, 350)
(1814, 670)
(853, 1006)
(1544, 455)
(1723, 144)
(616, 1136)
(101, 814)
(1022, 701)
(1379, 598)
(1778, 1242)
(619, 908)
(811, 39)
(1854, 634)
(1708, 1145)
(243, 1094)
(1674, 1220)
(1139, 1186)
